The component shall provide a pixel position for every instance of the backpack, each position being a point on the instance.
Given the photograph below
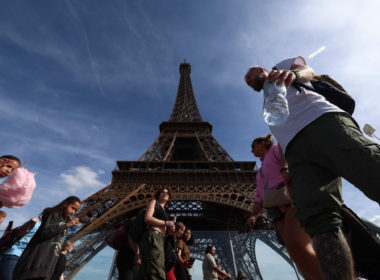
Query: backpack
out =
(137, 226)
(117, 238)
(331, 90)
(14, 235)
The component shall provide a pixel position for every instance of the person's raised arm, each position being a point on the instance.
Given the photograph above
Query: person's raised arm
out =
(26, 227)
(302, 73)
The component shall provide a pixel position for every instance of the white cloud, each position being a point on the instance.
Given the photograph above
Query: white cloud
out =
(81, 177)
(375, 220)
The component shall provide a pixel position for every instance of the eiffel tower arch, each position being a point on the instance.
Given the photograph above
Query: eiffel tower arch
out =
(211, 193)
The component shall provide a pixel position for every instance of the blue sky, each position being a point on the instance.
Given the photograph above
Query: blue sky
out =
(86, 83)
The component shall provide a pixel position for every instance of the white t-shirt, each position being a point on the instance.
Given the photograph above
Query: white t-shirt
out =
(208, 267)
(305, 106)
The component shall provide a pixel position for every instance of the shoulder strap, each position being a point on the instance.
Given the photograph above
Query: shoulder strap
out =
(299, 85)
(327, 78)
(274, 153)
(262, 177)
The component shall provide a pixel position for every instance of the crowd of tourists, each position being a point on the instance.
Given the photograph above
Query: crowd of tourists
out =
(37, 249)
(163, 251)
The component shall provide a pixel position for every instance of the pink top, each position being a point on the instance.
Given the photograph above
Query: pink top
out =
(271, 166)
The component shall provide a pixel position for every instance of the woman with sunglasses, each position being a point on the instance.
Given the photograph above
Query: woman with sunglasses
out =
(153, 240)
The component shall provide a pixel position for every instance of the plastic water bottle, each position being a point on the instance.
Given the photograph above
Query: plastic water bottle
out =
(275, 109)
(73, 227)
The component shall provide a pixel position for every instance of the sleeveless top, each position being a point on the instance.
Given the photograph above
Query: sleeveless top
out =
(160, 213)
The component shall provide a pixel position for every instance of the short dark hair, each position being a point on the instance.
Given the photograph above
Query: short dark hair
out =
(209, 248)
(12, 158)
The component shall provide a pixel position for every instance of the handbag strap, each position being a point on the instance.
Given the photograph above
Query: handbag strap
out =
(298, 85)
(262, 177)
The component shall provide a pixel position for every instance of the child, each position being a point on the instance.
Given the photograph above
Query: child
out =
(15, 241)
(41, 254)
(67, 247)
(8, 163)
(18, 189)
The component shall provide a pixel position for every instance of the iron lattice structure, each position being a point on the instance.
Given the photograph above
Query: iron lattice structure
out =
(210, 191)
(236, 252)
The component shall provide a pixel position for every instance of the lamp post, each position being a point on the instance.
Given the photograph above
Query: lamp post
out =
(369, 130)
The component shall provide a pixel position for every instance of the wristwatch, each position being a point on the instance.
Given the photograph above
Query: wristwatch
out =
(297, 74)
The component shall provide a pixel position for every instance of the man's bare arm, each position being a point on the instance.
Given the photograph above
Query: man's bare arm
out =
(299, 72)
(305, 72)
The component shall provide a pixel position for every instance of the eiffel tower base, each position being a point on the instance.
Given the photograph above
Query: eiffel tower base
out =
(236, 252)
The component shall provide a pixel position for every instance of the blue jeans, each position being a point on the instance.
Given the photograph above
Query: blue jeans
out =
(7, 265)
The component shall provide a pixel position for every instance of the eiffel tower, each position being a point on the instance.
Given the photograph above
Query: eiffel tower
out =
(211, 193)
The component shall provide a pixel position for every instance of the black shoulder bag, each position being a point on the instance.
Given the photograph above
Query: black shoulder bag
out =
(332, 94)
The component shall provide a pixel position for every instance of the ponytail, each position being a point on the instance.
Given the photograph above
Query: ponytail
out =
(268, 141)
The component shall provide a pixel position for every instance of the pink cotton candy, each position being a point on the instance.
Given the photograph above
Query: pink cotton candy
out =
(18, 189)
